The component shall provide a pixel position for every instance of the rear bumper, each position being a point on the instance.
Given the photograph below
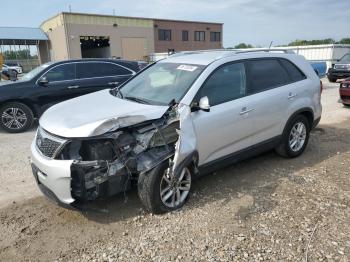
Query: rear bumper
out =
(344, 95)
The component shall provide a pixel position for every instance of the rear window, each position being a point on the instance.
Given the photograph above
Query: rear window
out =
(295, 73)
(264, 74)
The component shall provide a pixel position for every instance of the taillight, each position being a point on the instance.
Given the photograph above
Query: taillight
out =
(321, 86)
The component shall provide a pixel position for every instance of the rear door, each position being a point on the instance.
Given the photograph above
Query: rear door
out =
(271, 89)
(227, 128)
(94, 76)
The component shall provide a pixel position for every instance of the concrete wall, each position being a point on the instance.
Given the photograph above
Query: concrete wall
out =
(115, 34)
(58, 43)
(176, 42)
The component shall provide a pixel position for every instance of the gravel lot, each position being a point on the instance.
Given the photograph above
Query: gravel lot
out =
(265, 208)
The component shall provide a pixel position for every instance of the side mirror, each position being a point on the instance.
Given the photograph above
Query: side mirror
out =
(202, 105)
(43, 81)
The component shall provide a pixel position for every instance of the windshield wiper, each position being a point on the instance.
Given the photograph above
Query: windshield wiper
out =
(137, 99)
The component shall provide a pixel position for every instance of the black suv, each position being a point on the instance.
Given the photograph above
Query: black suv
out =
(51, 83)
(341, 69)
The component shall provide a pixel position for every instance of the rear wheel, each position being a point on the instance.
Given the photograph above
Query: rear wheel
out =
(161, 192)
(16, 117)
(295, 137)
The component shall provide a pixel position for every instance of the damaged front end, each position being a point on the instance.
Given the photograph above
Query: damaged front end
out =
(108, 164)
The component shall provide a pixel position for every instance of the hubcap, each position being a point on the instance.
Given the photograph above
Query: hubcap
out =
(174, 191)
(14, 118)
(297, 136)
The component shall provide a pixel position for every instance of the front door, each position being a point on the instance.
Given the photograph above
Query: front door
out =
(227, 128)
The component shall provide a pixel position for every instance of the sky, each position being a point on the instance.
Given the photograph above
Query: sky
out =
(257, 22)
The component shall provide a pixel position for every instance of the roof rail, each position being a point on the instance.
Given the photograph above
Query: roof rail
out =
(287, 51)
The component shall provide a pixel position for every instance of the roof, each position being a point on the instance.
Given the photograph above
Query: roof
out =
(133, 17)
(205, 57)
(21, 35)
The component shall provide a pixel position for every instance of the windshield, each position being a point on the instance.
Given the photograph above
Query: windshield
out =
(161, 83)
(345, 58)
(30, 75)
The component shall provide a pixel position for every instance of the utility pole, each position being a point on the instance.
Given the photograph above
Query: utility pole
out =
(70, 8)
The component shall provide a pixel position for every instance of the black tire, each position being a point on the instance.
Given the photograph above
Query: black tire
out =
(346, 105)
(149, 185)
(332, 79)
(25, 117)
(284, 148)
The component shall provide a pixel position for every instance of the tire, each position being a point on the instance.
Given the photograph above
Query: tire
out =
(286, 148)
(346, 105)
(332, 79)
(150, 185)
(23, 120)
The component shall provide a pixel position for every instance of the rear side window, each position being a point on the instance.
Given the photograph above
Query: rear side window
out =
(90, 70)
(225, 84)
(264, 74)
(295, 73)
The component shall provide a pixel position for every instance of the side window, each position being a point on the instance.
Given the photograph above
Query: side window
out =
(264, 74)
(295, 73)
(90, 70)
(225, 84)
(61, 73)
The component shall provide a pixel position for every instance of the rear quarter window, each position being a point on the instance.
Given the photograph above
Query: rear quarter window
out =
(294, 72)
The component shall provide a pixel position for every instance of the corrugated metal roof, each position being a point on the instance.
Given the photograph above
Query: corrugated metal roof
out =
(22, 33)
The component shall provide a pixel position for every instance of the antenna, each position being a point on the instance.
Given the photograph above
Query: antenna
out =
(270, 45)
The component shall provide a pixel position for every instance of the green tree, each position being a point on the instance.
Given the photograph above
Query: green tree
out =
(243, 45)
(312, 42)
(344, 41)
(18, 54)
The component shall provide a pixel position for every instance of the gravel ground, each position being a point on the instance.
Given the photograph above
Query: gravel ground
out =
(265, 208)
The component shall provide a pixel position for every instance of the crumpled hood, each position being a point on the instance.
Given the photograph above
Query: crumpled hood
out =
(95, 114)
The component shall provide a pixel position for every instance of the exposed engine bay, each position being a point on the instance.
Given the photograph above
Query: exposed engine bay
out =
(107, 164)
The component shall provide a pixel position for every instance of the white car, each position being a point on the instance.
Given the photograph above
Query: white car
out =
(17, 68)
(180, 117)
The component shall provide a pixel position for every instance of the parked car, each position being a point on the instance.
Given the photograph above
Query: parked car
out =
(320, 68)
(14, 66)
(51, 83)
(344, 92)
(180, 117)
(341, 69)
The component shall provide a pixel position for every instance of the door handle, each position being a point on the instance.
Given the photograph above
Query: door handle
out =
(246, 111)
(291, 96)
(72, 87)
(113, 83)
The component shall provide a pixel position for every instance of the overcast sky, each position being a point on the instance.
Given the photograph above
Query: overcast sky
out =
(251, 21)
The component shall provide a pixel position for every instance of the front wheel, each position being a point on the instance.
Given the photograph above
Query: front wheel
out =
(295, 137)
(332, 79)
(161, 192)
(16, 117)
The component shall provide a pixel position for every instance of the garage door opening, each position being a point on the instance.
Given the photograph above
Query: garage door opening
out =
(95, 47)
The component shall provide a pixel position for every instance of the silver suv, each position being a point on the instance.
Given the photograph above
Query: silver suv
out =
(181, 117)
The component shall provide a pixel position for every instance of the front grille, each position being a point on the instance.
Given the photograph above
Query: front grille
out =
(47, 144)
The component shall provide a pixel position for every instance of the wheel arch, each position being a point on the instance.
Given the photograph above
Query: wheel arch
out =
(307, 112)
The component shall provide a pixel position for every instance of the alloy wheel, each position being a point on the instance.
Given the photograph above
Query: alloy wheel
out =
(174, 191)
(297, 136)
(14, 118)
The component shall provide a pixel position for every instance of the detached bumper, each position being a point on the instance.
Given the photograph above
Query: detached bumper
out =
(344, 95)
(53, 176)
